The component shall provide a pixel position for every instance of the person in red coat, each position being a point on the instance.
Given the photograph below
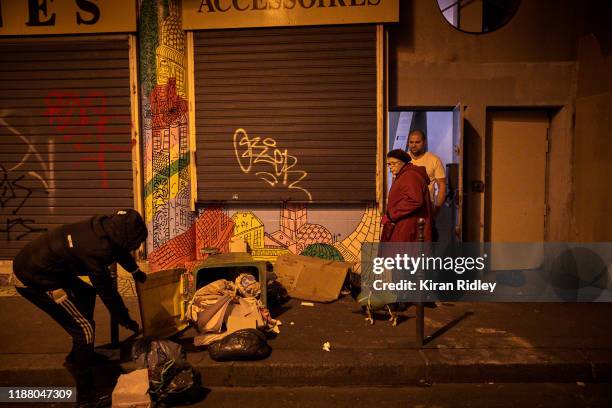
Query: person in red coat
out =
(408, 200)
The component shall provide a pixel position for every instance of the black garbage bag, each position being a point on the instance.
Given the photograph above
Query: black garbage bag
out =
(245, 344)
(277, 294)
(150, 353)
(172, 380)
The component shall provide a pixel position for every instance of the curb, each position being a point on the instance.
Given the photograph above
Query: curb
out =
(350, 367)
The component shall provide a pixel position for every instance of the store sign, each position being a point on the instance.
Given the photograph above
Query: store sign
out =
(213, 14)
(45, 17)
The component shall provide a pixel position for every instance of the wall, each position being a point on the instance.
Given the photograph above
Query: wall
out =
(530, 62)
(177, 235)
(593, 145)
(534, 61)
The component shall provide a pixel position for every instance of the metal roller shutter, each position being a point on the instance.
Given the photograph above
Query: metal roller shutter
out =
(65, 134)
(286, 114)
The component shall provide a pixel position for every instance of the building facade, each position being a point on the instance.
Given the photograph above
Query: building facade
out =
(276, 132)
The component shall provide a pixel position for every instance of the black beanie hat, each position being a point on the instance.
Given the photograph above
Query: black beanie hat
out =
(126, 229)
(400, 155)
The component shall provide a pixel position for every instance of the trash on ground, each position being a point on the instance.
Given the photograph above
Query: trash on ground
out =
(307, 304)
(132, 390)
(224, 307)
(246, 344)
(327, 346)
(425, 383)
(488, 330)
(309, 278)
(172, 380)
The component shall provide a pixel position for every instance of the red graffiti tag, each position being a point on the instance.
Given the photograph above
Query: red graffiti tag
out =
(83, 119)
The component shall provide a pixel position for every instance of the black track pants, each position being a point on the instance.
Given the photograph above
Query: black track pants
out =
(72, 307)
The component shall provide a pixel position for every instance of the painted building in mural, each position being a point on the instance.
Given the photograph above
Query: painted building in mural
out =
(166, 136)
(228, 128)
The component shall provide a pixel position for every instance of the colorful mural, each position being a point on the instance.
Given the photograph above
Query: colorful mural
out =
(294, 233)
(176, 237)
(165, 123)
(323, 251)
(212, 229)
(215, 227)
(368, 230)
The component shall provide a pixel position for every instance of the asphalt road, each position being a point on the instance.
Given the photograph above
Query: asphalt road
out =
(439, 396)
(557, 395)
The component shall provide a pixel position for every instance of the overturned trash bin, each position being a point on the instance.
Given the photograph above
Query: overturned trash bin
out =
(164, 297)
(219, 296)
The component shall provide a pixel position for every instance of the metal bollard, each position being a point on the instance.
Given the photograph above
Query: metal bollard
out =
(420, 309)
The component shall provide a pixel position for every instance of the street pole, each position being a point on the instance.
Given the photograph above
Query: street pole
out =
(420, 310)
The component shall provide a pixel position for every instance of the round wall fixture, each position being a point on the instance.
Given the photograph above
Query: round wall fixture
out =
(478, 16)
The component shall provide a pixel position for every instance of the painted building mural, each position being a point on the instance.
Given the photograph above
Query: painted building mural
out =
(177, 236)
(165, 124)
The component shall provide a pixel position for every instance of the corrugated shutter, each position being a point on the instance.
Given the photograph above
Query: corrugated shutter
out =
(286, 114)
(65, 144)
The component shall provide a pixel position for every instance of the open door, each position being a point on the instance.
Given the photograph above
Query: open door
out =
(161, 303)
(457, 210)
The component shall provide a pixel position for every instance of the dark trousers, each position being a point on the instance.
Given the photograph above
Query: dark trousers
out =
(72, 307)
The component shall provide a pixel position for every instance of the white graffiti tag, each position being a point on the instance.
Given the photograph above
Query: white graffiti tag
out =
(253, 151)
(16, 187)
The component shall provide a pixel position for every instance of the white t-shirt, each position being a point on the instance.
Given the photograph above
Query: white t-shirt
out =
(435, 170)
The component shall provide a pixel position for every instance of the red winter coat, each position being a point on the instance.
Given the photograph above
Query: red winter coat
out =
(408, 201)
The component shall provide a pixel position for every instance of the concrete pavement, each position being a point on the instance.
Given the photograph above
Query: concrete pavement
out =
(480, 343)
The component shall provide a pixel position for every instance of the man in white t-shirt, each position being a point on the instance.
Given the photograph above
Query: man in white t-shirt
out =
(417, 144)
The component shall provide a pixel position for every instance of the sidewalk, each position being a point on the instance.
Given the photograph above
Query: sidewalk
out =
(484, 342)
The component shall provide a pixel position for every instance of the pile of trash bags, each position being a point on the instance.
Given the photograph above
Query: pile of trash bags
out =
(231, 320)
(172, 380)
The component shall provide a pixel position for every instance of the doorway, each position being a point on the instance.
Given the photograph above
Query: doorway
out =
(517, 149)
(442, 130)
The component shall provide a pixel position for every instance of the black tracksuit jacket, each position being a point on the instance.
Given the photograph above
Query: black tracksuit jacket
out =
(85, 248)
